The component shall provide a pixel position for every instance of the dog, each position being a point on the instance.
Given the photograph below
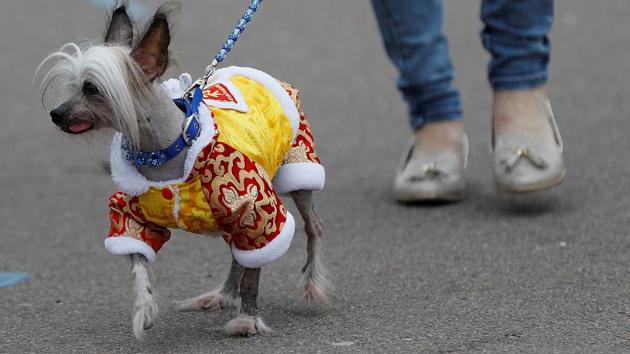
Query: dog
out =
(241, 142)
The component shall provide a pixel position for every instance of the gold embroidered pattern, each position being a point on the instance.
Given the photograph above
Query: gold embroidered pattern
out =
(303, 149)
(134, 229)
(296, 154)
(243, 205)
(293, 93)
(242, 199)
(126, 219)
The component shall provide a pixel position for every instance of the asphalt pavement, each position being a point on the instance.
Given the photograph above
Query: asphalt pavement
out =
(548, 272)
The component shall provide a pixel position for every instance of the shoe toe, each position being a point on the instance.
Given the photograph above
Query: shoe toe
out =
(438, 177)
(522, 164)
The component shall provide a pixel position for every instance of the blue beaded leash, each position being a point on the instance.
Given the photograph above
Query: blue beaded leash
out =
(227, 47)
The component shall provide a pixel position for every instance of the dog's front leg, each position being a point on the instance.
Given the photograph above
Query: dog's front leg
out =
(248, 322)
(145, 308)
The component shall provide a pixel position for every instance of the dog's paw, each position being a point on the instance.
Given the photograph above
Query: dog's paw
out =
(214, 300)
(144, 315)
(245, 325)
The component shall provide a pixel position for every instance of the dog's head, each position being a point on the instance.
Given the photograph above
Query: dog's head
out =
(110, 85)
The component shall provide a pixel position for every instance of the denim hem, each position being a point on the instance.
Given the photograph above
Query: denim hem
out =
(519, 82)
(417, 122)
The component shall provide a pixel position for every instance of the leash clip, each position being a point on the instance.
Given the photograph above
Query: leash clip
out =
(202, 81)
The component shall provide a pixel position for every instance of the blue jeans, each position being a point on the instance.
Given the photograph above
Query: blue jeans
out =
(515, 34)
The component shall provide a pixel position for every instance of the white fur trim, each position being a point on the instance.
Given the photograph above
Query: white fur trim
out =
(125, 246)
(270, 83)
(269, 253)
(175, 88)
(240, 105)
(309, 176)
(130, 181)
(172, 89)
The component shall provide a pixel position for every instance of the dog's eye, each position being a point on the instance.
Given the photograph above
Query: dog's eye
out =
(89, 89)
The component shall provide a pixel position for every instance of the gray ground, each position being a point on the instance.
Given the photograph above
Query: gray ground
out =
(541, 273)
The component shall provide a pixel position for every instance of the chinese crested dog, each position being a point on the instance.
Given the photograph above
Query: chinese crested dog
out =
(211, 164)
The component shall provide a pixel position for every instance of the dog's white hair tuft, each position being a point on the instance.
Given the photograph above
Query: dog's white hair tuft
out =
(116, 75)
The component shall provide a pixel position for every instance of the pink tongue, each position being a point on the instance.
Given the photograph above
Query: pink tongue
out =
(81, 127)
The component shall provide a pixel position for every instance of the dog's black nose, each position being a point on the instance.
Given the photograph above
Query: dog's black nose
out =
(56, 115)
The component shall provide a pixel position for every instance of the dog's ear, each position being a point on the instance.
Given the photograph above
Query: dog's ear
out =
(120, 29)
(152, 52)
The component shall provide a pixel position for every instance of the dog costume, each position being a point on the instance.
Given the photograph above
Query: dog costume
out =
(254, 144)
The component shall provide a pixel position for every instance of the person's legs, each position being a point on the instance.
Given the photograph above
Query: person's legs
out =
(516, 34)
(412, 32)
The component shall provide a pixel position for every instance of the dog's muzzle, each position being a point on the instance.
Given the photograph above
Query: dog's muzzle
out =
(57, 116)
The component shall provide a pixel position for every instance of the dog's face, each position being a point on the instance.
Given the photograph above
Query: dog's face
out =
(85, 111)
(110, 86)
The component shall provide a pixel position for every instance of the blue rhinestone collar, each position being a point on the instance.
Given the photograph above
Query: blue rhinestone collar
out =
(191, 131)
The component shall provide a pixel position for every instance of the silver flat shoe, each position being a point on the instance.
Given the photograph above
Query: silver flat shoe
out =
(436, 177)
(526, 163)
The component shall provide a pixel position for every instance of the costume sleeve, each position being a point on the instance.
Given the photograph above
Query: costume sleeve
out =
(246, 207)
(301, 168)
(129, 232)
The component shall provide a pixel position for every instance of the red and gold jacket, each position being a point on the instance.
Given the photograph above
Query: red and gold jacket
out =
(255, 143)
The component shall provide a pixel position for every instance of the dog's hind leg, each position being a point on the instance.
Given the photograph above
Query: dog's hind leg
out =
(300, 174)
(313, 284)
(224, 296)
(248, 322)
(145, 308)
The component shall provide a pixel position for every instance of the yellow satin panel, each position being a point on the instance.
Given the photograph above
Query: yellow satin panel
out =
(264, 133)
(194, 213)
(158, 209)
